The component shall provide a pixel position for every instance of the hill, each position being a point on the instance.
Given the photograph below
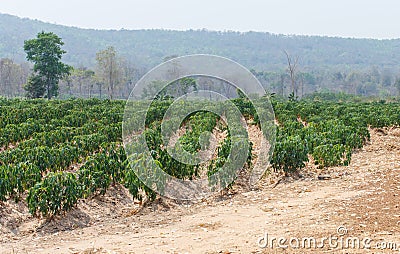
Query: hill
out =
(147, 48)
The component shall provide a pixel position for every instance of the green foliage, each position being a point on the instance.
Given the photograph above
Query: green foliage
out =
(57, 192)
(17, 178)
(62, 151)
(100, 170)
(134, 184)
(223, 171)
(46, 53)
(35, 87)
(290, 154)
(332, 155)
(373, 63)
(252, 49)
(109, 69)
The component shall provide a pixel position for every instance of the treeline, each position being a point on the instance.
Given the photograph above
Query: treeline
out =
(366, 82)
(85, 82)
(147, 48)
(113, 76)
(280, 66)
(12, 77)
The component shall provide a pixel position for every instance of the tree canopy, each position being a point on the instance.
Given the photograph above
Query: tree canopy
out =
(109, 68)
(46, 53)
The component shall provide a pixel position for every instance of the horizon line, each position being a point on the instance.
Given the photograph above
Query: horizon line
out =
(200, 30)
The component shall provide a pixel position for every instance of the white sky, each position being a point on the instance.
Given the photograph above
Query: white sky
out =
(345, 18)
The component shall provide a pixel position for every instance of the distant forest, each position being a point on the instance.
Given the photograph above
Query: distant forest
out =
(356, 66)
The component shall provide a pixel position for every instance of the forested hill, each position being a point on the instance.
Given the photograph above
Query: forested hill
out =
(146, 48)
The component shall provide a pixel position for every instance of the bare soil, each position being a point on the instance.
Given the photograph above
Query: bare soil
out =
(362, 200)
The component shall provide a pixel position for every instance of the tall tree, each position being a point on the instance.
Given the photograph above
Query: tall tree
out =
(109, 69)
(83, 76)
(12, 76)
(292, 71)
(46, 53)
(130, 76)
(7, 70)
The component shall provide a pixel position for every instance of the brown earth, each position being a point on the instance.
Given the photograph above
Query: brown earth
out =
(362, 200)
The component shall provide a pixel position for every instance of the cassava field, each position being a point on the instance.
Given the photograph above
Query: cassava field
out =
(67, 186)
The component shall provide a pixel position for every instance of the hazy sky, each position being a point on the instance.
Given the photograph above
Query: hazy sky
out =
(345, 18)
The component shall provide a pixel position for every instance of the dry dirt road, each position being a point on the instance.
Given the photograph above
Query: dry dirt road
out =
(359, 203)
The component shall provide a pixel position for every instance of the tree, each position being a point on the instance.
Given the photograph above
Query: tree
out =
(6, 70)
(183, 85)
(109, 69)
(89, 77)
(34, 87)
(83, 77)
(292, 71)
(353, 80)
(130, 76)
(68, 81)
(46, 53)
(12, 76)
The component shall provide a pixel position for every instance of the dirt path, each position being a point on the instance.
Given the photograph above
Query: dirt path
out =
(362, 199)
